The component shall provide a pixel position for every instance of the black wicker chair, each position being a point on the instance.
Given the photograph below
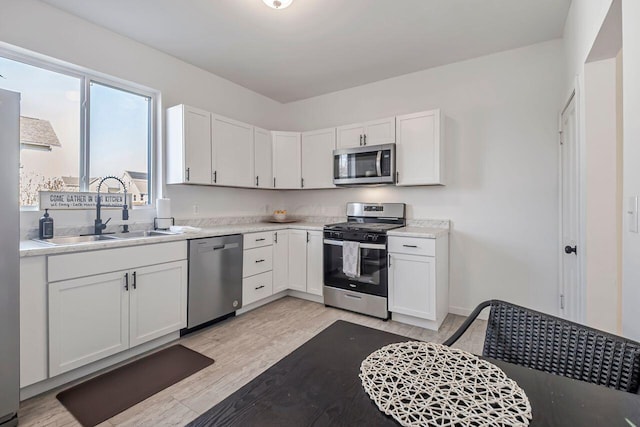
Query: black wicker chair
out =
(536, 340)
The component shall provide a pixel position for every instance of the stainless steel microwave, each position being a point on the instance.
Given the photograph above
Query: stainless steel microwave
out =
(375, 164)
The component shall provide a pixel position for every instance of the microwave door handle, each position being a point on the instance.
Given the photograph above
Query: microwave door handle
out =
(379, 163)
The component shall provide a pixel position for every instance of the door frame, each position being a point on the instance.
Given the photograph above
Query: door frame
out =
(575, 95)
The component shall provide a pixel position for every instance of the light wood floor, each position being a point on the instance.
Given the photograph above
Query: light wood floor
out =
(243, 347)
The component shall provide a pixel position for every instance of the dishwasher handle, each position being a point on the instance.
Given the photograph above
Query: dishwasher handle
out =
(210, 246)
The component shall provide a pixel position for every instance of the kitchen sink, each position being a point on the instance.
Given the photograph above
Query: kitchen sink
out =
(143, 234)
(74, 240)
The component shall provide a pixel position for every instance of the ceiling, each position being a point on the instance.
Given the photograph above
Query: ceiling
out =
(320, 46)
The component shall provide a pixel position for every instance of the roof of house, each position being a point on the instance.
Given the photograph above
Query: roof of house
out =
(138, 180)
(137, 175)
(74, 181)
(38, 132)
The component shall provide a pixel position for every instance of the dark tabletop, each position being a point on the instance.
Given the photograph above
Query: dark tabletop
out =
(318, 385)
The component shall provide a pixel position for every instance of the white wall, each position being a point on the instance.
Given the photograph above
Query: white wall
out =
(631, 174)
(502, 167)
(603, 215)
(40, 28)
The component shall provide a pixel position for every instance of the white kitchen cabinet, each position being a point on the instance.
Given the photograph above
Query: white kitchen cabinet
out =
(317, 158)
(233, 151)
(298, 260)
(419, 280)
(287, 172)
(375, 132)
(158, 301)
(257, 287)
(88, 320)
(263, 158)
(34, 362)
(280, 261)
(315, 266)
(188, 146)
(419, 149)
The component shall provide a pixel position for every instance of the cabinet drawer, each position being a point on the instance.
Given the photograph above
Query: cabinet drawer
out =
(257, 240)
(90, 263)
(257, 261)
(256, 287)
(412, 245)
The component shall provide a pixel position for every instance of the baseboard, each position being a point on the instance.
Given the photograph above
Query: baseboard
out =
(97, 367)
(484, 315)
(306, 296)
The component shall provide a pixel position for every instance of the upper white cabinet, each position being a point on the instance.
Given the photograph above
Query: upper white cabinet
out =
(375, 132)
(263, 158)
(317, 158)
(419, 149)
(232, 152)
(287, 173)
(188, 145)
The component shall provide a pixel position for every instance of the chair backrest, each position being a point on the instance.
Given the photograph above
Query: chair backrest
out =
(536, 340)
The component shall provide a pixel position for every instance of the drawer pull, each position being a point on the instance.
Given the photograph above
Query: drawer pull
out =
(410, 246)
(260, 240)
(259, 287)
(259, 260)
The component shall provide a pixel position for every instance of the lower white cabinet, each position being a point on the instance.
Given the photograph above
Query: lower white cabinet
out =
(280, 261)
(298, 260)
(419, 280)
(257, 287)
(315, 265)
(94, 317)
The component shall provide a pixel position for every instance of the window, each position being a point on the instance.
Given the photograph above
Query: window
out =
(64, 147)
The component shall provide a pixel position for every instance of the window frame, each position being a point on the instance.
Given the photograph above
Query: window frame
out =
(87, 77)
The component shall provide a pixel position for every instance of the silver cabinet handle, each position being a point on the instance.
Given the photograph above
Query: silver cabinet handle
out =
(410, 246)
(188, 173)
(352, 296)
(259, 260)
(259, 287)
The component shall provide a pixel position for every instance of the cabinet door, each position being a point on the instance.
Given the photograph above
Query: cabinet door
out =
(418, 149)
(286, 160)
(298, 260)
(88, 320)
(350, 136)
(158, 301)
(280, 261)
(263, 159)
(197, 146)
(315, 278)
(232, 153)
(317, 158)
(33, 320)
(412, 281)
(380, 132)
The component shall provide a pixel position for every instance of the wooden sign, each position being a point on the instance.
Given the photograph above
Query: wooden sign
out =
(59, 200)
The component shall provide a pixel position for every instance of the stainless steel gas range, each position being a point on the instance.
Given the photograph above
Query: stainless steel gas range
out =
(355, 258)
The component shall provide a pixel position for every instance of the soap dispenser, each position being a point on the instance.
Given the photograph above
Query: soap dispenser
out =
(46, 226)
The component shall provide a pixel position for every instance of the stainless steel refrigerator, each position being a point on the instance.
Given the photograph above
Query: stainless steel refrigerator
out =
(9, 258)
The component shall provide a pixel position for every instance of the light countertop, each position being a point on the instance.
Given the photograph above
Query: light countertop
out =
(415, 231)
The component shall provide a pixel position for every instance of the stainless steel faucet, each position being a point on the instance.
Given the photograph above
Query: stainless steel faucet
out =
(99, 226)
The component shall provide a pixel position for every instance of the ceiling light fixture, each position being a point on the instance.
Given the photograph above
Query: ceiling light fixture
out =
(278, 4)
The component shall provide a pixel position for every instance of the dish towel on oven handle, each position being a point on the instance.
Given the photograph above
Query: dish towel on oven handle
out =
(351, 259)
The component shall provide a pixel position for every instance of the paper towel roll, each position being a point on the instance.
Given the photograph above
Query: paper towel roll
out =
(163, 208)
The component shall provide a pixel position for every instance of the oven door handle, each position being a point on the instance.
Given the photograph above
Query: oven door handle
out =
(379, 163)
(362, 245)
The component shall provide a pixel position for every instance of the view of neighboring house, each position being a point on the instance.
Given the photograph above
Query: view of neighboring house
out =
(137, 185)
(37, 134)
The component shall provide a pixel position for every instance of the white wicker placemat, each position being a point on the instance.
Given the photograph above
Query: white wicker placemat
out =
(428, 384)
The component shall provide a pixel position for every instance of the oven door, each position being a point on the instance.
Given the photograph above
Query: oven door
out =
(373, 268)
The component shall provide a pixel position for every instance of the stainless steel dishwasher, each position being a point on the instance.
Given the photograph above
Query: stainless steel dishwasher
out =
(215, 278)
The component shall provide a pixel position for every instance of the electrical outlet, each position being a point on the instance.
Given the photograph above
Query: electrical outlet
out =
(196, 209)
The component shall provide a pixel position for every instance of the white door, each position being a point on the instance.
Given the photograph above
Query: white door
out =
(263, 158)
(418, 149)
(381, 131)
(232, 152)
(88, 320)
(298, 260)
(280, 261)
(571, 295)
(350, 136)
(315, 278)
(412, 280)
(197, 146)
(158, 301)
(286, 160)
(317, 158)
